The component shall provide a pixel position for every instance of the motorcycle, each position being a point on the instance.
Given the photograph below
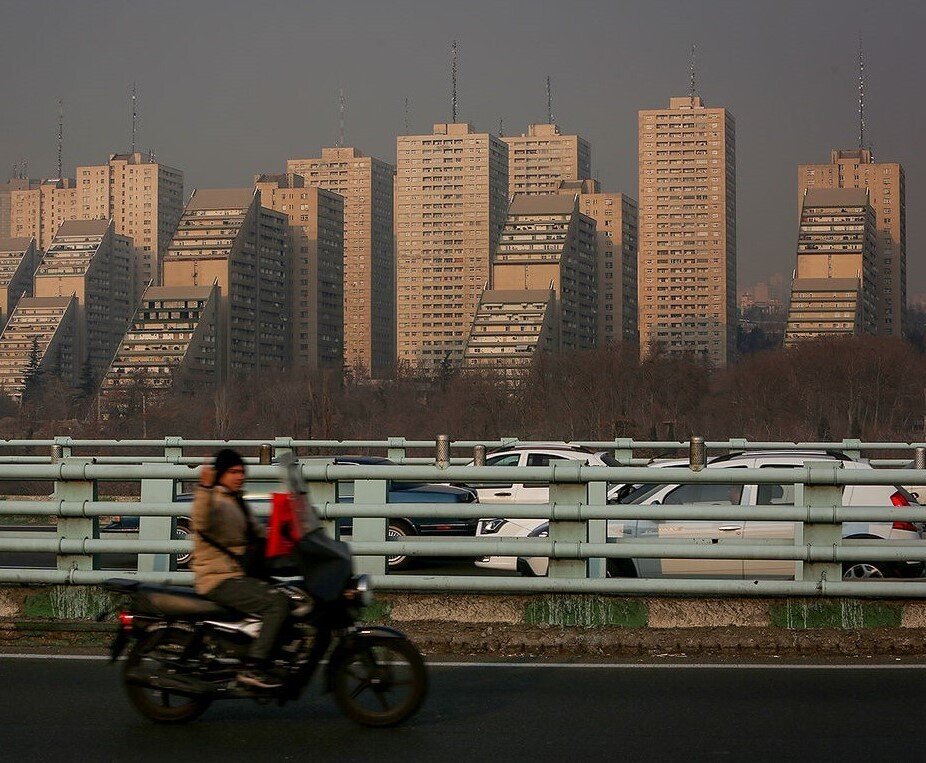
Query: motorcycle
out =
(184, 651)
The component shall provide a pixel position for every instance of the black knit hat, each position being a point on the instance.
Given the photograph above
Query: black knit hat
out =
(225, 459)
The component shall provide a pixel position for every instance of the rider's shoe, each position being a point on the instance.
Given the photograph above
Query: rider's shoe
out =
(257, 678)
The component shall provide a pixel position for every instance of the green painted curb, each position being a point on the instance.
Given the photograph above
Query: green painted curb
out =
(835, 614)
(586, 612)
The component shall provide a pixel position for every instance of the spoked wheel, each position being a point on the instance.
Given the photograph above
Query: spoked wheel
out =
(397, 531)
(380, 682)
(861, 571)
(183, 532)
(159, 705)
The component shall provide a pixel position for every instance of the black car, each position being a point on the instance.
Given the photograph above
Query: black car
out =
(398, 492)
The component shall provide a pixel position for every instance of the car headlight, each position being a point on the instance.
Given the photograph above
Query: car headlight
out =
(490, 526)
(540, 532)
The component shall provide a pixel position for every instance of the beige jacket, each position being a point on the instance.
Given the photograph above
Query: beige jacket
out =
(217, 513)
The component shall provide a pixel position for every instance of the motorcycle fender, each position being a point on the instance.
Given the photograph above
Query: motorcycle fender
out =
(349, 641)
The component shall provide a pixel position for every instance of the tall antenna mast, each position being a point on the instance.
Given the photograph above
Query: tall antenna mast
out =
(342, 106)
(549, 101)
(406, 115)
(501, 127)
(691, 73)
(134, 116)
(60, 135)
(861, 93)
(453, 82)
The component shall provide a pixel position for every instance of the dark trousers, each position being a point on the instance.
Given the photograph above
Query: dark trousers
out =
(254, 597)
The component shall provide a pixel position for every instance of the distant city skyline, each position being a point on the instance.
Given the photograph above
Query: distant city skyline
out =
(786, 71)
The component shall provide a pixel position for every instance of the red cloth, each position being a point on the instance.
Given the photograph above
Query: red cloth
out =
(286, 523)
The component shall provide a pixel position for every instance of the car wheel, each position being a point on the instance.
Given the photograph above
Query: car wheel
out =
(397, 531)
(621, 568)
(183, 532)
(862, 571)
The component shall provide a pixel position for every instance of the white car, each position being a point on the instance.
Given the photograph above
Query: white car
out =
(718, 494)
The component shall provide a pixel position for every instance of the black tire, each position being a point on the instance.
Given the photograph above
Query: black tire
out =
(183, 531)
(367, 677)
(398, 531)
(156, 704)
(621, 568)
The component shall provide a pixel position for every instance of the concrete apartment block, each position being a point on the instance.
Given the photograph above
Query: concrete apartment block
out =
(544, 157)
(18, 261)
(833, 292)
(687, 222)
(88, 260)
(6, 192)
(226, 237)
(616, 233)
(315, 241)
(886, 185)
(172, 341)
(43, 327)
(366, 184)
(451, 199)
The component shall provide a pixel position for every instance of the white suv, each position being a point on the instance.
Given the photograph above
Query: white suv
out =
(718, 494)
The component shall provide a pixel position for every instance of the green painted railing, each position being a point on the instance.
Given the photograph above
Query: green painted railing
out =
(577, 545)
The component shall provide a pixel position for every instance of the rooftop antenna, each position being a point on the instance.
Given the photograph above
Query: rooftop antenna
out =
(549, 101)
(60, 135)
(406, 115)
(453, 82)
(861, 93)
(501, 127)
(134, 116)
(692, 83)
(342, 106)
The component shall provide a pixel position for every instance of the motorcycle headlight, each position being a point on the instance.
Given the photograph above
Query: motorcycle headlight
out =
(490, 526)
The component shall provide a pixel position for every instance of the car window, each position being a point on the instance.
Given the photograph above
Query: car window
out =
(776, 495)
(542, 459)
(714, 494)
(509, 459)
(640, 493)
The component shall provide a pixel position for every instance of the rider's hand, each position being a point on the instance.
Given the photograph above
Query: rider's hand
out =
(206, 476)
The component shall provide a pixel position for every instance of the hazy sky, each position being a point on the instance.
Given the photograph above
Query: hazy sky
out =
(228, 88)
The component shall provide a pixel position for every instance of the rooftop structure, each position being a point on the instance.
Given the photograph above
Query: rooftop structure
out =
(541, 159)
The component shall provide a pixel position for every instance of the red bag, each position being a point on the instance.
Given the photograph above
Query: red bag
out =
(286, 524)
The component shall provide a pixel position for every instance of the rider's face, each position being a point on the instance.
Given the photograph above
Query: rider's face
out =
(233, 479)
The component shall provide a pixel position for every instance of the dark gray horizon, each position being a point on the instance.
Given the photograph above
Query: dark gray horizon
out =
(228, 89)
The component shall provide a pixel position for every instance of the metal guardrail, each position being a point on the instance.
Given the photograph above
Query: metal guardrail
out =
(577, 545)
(625, 450)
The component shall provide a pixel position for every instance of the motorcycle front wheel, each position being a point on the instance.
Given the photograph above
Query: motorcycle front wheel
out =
(158, 705)
(380, 681)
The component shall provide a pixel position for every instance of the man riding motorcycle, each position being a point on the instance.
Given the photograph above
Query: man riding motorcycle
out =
(225, 535)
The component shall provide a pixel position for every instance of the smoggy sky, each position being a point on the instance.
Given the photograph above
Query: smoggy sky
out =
(228, 88)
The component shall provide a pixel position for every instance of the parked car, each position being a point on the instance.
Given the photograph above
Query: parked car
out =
(397, 529)
(713, 531)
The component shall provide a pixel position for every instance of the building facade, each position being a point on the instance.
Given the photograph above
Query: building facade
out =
(366, 184)
(451, 199)
(18, 261)
(834, 286)
(142, 197)
(315, 241)
(687, 227)
(540, 160)
(88, 260)
(6, 191)
(226, 237)
(615, 216)
(886, 185)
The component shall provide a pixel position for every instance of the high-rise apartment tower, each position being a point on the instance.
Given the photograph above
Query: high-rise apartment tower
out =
(541, 159)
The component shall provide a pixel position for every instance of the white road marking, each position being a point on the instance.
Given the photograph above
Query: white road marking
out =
(577, 665)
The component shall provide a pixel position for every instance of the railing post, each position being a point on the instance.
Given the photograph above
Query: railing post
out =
(321, 493)
(370, 529)
(265, 454)
(597, 528)
(623, 449)
(77, 527)
(62, 447)
(173, 449)
(396, 450)
(852, 448)
(442, 452)
(568, 493)
(283, 446)
(157, 528)
(479, 455)
(697, 453)
(818, 493)
(919, 458)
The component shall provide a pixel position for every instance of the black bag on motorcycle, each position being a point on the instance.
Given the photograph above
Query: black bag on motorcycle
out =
(325, 564)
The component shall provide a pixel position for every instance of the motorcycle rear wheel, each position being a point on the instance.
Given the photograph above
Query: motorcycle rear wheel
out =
(380, 682)
(158, 705)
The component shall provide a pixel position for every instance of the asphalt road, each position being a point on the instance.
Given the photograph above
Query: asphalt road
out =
(74, 710)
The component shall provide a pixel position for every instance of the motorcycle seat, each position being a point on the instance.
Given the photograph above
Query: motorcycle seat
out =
(173, 602)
